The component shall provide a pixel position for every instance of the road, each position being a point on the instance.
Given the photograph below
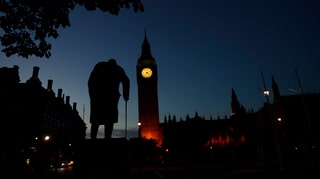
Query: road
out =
(186, 172)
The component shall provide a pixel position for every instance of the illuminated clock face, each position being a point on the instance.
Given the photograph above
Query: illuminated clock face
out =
(146, 72)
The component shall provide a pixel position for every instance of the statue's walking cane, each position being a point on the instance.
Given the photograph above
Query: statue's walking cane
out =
(125, 119)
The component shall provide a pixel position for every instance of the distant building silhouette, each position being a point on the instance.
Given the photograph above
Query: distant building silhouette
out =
(197, 140)
(195, 135)
(281, 133)
(29, 113)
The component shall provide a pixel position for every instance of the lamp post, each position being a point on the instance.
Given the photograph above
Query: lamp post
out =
(307, 118)
(309, 126)
(271, 124)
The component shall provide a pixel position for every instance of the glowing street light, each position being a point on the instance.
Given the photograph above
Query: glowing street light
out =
(139, 129)
(46, 138)
(279, 119)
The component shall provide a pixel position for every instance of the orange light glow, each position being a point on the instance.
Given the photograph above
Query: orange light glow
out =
(220, 140)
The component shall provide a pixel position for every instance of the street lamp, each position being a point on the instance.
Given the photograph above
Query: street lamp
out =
(139, 129)
(46, 138)
(308, 121)
(307, 118)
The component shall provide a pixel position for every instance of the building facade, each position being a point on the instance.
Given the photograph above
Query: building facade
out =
(34, 117)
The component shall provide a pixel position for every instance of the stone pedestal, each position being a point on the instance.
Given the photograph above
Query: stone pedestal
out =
(101, 157)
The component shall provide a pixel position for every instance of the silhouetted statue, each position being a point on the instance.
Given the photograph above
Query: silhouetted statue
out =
(103, 84)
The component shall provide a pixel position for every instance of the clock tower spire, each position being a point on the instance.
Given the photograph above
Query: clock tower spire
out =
(147, 79)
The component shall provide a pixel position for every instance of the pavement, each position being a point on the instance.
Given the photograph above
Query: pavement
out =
(217, 172)
(172, 172)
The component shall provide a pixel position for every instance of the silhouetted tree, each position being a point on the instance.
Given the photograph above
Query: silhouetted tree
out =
(174, 119)
(165, 119)
(27, 24)
(169, 118)
(196, 115)
(187, 117)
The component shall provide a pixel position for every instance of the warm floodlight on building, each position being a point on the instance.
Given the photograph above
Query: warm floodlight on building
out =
(266, 92)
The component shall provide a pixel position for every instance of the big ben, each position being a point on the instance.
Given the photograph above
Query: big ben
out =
(147, 79)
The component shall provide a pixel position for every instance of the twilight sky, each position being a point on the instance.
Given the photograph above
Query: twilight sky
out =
(203, 49)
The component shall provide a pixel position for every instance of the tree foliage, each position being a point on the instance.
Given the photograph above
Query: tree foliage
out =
(28, 24)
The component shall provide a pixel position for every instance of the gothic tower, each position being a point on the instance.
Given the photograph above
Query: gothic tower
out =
(147, 79)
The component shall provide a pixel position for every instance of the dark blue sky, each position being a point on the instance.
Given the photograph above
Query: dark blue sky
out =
(203, 49)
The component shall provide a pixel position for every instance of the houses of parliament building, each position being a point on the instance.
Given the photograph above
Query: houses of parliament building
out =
(282, 132)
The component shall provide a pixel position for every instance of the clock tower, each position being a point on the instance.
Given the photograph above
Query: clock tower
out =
(147, 78)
